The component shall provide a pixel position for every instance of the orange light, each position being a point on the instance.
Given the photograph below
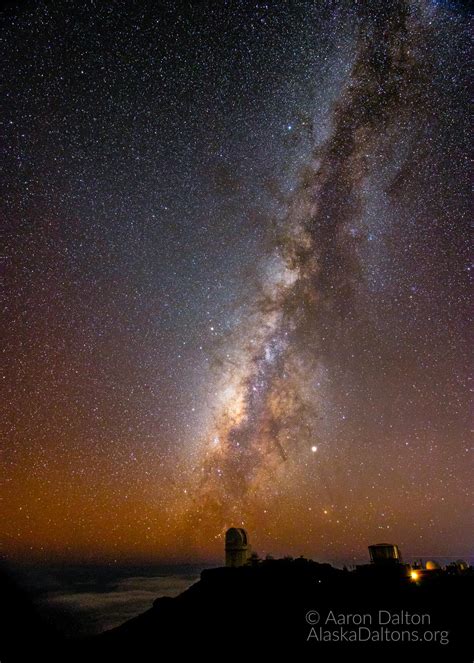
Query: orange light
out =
(415, 575)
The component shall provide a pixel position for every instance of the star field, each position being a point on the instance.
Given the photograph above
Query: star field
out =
(235, 269)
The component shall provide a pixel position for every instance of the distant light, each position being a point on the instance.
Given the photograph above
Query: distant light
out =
(314, 449)
(289, 127)
(414, 575)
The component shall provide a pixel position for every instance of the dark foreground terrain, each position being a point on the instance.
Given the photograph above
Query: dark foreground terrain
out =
(293, 608)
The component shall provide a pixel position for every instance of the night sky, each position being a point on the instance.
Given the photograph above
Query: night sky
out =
(235, 275)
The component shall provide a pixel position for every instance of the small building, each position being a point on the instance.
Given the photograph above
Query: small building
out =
(386, 563)
(458, 567)
(237, 547)
(432, 565)
(384, 554)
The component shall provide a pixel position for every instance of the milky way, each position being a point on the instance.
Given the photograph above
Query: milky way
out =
(309, 282)
(237, 278)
